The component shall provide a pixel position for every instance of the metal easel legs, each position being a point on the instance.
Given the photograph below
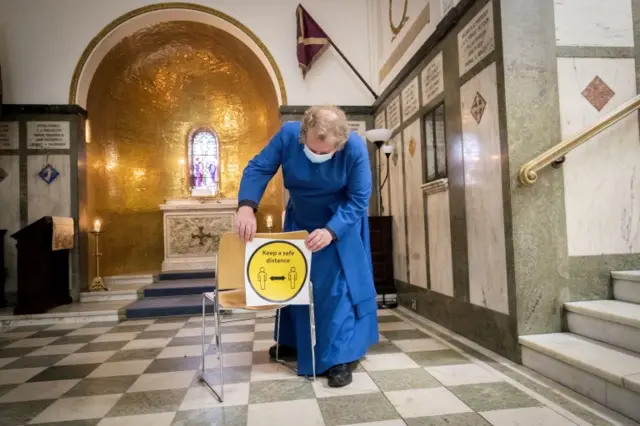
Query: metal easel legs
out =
(218, 341)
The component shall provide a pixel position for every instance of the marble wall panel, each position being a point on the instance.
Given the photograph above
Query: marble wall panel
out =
(415, 205)
(52, 199)
(440, 259)
(483, 191)
(593, 23)
(10, 214)
(601, 177)
(396, 187)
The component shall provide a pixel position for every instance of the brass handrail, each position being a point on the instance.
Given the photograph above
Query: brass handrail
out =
(528, 173)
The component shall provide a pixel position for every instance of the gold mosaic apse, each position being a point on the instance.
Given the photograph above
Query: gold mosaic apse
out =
(147, 95)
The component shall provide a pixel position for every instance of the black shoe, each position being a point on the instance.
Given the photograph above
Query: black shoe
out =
(284, 352)
(339, 375)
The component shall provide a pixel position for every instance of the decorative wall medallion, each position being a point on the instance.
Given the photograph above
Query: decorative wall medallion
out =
(3, 174)
(598, 93)
(412, 147)
(395, 29)
(478, 107)
(48, 174)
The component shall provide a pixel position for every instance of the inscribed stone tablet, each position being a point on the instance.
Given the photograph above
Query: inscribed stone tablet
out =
(410, 99)
(381, 120)
(9, 135)
(48, 135)
(393, 114)
(357, 126)
(432, 80)
(476, 40)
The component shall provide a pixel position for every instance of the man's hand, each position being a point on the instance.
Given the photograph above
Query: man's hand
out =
(318, 239)
(246, 225)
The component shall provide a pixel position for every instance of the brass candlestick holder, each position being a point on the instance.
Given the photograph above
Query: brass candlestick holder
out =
(97, 284)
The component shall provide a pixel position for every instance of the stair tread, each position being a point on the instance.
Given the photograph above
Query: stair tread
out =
(626, 275)
(605, 361)
(617, 311)
(195, 283)
(167, 302)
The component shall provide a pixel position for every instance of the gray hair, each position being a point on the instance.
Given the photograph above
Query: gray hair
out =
(326, 121)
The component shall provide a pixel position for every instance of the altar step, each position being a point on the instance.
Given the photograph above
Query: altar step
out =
(168, 306)
(167, 298)
(183, 287)
(186, 275)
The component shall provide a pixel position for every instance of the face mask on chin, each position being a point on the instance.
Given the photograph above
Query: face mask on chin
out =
(317, 158)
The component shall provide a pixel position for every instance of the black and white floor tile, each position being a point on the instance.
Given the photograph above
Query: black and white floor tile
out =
(145, 372)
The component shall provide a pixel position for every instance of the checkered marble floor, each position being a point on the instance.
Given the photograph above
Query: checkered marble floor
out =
(145, 373)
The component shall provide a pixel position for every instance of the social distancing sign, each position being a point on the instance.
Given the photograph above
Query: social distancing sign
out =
(277, 272)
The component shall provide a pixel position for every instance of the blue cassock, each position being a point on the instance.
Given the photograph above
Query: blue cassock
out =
(335, 195)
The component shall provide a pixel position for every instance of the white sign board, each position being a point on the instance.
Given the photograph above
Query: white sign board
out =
(9, 135)
(277, 272)
(48, 135)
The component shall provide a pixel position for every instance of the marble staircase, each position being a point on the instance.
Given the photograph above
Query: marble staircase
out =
(599, 355)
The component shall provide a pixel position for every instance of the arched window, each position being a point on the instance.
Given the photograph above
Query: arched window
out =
(204, 162)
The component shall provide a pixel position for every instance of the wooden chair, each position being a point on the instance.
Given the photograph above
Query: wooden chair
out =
(229, 294)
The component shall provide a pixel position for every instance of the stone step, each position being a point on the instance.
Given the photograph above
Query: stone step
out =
(66, 314)
(179, 288)
(130, 281)
(186, 275)
(626, 286)
(115, 293)
(154, 307)
(603, 373)
(609, 321)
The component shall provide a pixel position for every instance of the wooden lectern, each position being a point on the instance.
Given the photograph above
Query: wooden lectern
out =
(43, 265)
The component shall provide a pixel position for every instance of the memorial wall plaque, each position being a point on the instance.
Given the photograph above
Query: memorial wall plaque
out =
(48, 135)
(393, 114)
(432, 80)
(381, 120)
(476, 40)
(9, 135)
(358, 126)
(410, 99)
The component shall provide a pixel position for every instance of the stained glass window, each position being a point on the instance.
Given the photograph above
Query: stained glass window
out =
(204, 161)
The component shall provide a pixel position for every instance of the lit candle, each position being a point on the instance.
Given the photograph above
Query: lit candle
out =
(269, 222)
(97, 225)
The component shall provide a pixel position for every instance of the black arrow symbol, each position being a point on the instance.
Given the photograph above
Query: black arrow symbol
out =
(277, 278)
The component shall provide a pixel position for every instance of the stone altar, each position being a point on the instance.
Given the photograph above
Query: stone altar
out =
(192, 230)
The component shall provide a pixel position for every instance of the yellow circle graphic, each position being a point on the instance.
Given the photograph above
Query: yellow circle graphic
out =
(277, 271)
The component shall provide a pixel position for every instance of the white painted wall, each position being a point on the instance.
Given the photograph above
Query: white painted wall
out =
(384, 42)
(41, 43)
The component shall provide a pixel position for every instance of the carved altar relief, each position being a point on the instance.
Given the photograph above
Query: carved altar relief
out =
(192, 230)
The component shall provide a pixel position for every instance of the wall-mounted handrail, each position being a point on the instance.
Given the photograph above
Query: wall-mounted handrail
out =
(528, 173)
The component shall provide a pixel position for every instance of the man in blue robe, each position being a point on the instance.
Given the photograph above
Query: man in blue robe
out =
(327, 173)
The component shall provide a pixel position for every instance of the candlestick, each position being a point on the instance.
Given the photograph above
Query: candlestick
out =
(97, 284)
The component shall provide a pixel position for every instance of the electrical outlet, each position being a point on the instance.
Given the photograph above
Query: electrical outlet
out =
(414, 305)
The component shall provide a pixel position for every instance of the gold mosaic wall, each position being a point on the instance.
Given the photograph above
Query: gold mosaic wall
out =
(149, 92)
